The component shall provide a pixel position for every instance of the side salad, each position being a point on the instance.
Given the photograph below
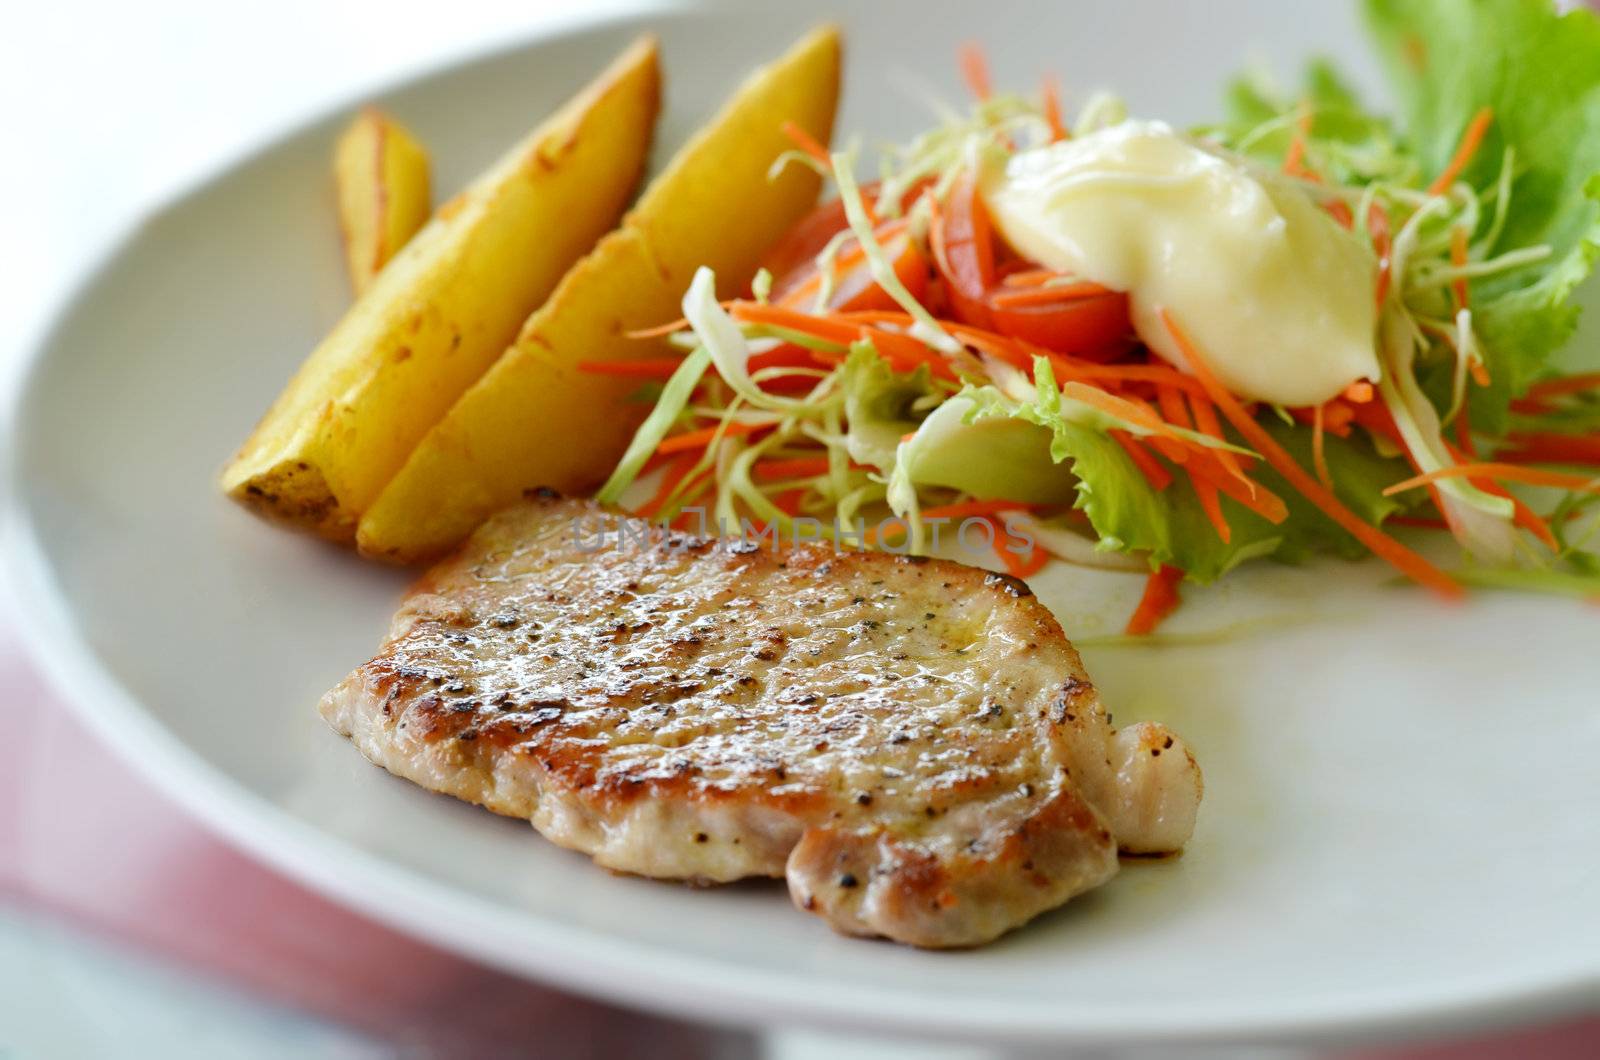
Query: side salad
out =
(1291, 331)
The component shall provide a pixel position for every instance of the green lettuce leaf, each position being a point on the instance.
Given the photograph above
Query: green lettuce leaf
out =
(1128, 514)
(880, 406)
(973, 444)
(1354, 144)
(1540, 72)
(1170, 525)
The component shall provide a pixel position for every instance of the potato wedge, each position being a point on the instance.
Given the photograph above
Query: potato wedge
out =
(535, 419)
(447, 306)
(380, 172)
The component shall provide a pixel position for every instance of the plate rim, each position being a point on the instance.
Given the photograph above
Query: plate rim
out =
(587, 961)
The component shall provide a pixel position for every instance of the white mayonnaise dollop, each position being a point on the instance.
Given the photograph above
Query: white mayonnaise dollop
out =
(1275, 294)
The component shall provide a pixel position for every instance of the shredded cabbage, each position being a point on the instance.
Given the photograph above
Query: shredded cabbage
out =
(669, 406)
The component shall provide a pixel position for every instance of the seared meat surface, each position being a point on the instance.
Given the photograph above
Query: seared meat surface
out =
(912, 743)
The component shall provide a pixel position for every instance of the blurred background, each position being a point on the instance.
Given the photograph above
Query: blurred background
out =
(126, 929)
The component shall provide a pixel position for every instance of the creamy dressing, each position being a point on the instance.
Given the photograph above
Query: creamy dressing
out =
(1276, 294)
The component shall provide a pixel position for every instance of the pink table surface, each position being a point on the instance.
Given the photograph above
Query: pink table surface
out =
(83, 838)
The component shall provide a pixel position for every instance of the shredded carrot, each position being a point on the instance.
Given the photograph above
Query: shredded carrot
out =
(1504, 472)
(1542, 447)
(1521, 514)
(699, 439)
(1210, 503)
(659, 331)
(1297, 150)
(818, 327)
(788, 502)
(1042, 295)
(1173, 450)
(1470, 140)
(1293, 162)
(1458, 258)
(975, 70)
(1319, 455)
(1205, 420)
(1121, 408)
(1173, 410)
(902, 351)
(676, 470)
(1051, 91)
(1160, 599)
(1158, 477)
(1245, 491)
(644, 368)
(1122, 373)
(1525, 517)
(797, 467)
(1530, 521)
(1463, 426)
(1034, 563)
(670, 327)
(807, 143)
(1008, 350)
(1020, 354)
(1403, 558)
(1571, 384)
(655, 461)
(1337, 416)
(905, 353)
(1382, 245)
(1017, 564)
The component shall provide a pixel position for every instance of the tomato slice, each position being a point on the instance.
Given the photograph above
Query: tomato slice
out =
(854, 287)
(857, 289)
(962, 240)
(806, 239)
(1095, 328)
(811, 233)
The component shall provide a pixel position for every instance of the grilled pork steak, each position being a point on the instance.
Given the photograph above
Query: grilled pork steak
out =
(913, 743)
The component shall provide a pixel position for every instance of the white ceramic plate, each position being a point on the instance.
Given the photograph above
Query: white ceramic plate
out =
(1400, 824)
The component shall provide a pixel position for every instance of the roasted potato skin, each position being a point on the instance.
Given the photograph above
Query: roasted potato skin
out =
(446, 307)
(535, 419)
(380, 172)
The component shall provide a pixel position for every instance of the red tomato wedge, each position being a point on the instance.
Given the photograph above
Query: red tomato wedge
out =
(1094, 327)
(811, 233)
(806, 239)
(854, 287)
(962, 240)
